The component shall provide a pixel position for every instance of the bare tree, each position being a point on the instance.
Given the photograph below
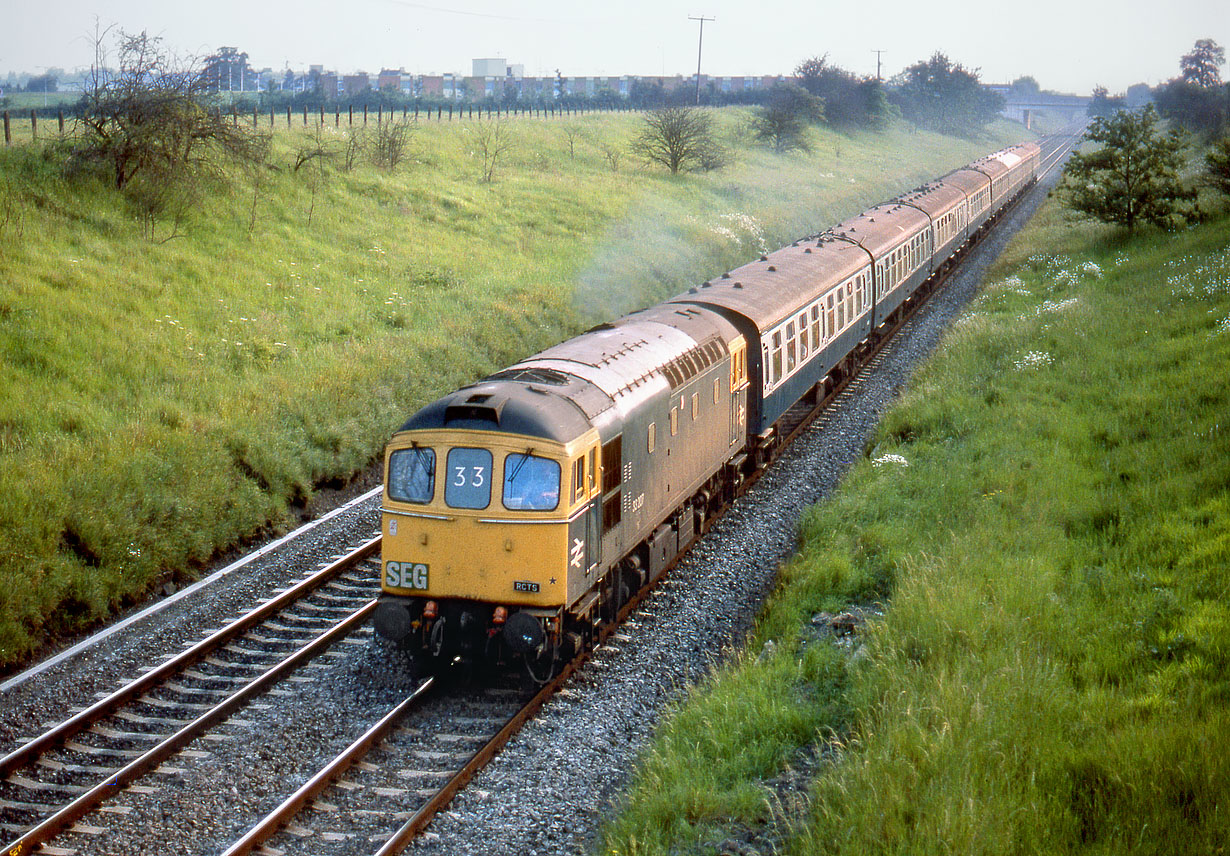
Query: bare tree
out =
(493, 140)
(391, 143)
(150, 116)
(572, 133)
(613, 154)
(680, 139)
(316, 151)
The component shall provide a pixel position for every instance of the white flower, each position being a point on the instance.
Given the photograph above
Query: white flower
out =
(890, 459)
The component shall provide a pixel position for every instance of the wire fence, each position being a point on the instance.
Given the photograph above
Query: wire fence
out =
(25, 126)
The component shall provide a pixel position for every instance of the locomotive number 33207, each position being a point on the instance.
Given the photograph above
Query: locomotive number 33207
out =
(411, 575)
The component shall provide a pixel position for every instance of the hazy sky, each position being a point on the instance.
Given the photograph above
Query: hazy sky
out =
(1069, 45)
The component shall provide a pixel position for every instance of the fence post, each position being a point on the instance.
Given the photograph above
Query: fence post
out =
(34, 124)
(271, 117)
(352, 115)
(255, 118)
(322, 115)
(8, 131)
(364, 115)
(379, 114)
(337, 117)
(60, 116)
(287, 115)
(305, 115)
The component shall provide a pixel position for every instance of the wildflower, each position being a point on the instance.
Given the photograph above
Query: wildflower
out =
(1033, 359)
(890, 459)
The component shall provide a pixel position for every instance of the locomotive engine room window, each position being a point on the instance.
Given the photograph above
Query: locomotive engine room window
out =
(412, 475)
(612, 460)
(695, 405)
(468, 482)
(531, 483)
(674, 421)
(653, 436)
(717, 390)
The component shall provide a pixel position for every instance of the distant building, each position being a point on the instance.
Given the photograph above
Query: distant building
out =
(227, 71)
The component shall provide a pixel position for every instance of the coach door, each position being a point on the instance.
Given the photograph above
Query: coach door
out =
(738, 390)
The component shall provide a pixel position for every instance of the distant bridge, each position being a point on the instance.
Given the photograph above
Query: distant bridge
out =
(1022, 107)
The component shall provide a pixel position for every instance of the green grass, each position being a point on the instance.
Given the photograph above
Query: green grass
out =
(1052, 539)
(164, 398)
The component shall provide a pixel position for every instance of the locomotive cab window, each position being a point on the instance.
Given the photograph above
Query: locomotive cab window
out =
(578, 478)
(469, 478)
(531, 483)
(412, 475)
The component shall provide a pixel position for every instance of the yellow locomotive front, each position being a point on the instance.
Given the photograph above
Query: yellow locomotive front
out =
(484, 524)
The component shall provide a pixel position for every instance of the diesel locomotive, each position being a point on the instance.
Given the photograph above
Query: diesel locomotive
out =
(520, 513)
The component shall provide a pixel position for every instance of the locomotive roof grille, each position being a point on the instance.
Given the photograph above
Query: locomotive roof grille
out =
(687, 366)
(533, 375)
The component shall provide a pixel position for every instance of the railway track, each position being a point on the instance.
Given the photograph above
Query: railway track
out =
(54, 780)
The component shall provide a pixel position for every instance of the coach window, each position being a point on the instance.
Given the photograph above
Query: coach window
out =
(469, 478)
(832, 319)
(816, 338)
(412, 475)
(791, 346)
(777, 356)
(803, 343)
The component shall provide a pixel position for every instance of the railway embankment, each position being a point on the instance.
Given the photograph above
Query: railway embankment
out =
(178, 380)
(1036, 545)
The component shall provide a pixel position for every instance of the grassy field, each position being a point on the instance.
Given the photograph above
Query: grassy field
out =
(1046, 516)
(164, 396)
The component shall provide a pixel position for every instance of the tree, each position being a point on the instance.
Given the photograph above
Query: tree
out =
(1026, 86)
(493, 140)
(946, 97)
(782, 122)
(1133, 177)
(1102, 104)
(391, 143)
(1199, 109)
(1196, 99)
(1201, 65)
(149, 120)
(680, 139)
(847, 99)
(1217, 160)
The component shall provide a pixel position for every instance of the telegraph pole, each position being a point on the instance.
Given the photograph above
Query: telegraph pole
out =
(700, 44)
(877, 53)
